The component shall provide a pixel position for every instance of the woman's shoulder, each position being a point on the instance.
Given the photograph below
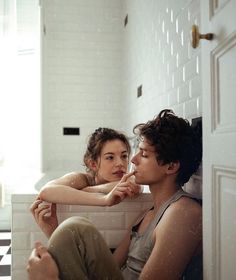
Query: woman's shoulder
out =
(86, 176)
(79, 178)
(90, 179)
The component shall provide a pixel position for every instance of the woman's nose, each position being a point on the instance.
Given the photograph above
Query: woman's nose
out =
(119, 162)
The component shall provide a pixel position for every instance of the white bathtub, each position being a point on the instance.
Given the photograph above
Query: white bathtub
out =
(111, 221)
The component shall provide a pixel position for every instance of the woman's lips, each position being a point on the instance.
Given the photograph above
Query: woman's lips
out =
(119, 173)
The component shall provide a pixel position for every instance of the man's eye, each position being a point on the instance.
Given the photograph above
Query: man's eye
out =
(144, 155)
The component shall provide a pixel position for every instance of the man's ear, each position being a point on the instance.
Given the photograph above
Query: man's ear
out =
(173, 167)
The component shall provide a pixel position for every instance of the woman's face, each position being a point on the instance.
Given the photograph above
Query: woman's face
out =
(112, 163)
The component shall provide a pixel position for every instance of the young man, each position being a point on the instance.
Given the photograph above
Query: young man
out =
(165, 243)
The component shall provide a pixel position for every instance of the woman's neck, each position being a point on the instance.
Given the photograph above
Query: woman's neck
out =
(99, 181)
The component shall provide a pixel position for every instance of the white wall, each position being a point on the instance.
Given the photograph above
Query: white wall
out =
(92, 67)
(81, 75)
(157, 54)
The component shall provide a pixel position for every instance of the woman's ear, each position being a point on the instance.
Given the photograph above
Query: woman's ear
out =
(173, 167)
(93, 165)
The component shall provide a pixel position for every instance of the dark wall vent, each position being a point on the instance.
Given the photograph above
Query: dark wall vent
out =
(71, 131)
(140, 91)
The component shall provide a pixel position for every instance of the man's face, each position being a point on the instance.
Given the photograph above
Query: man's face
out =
(147, 170)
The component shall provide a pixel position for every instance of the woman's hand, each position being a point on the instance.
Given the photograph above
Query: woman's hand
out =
(41, 265)
(125, 188)
(45, 216)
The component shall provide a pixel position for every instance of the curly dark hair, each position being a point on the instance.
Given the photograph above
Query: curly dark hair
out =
(175, 140)
(97, 140)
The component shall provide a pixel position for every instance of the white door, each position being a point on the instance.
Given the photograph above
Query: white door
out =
(219, 139)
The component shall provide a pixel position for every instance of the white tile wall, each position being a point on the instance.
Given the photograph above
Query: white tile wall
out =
(92, 66)
(157, 54)
(81, 75)
(111, 221)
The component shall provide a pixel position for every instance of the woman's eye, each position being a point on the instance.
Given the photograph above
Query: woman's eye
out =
(124, 156)
(109, 158)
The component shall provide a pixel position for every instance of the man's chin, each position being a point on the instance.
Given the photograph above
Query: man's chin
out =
(138, 181)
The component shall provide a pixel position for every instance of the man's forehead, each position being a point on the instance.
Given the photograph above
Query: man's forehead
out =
(144, 144)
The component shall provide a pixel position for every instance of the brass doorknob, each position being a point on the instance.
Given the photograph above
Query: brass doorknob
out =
(196, 36)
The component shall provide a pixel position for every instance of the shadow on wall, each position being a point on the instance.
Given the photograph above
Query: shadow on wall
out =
(194, 186)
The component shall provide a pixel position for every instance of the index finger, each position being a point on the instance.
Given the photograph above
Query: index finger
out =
(126, 176)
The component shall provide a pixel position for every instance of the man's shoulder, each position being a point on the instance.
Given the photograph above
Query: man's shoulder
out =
(186, 204)
(183, 210)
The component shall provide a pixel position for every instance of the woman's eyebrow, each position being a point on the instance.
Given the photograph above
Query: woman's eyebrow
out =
(111, 153)
(108, 153)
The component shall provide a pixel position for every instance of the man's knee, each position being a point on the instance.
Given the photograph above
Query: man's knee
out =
(71, 228)
(77, 224)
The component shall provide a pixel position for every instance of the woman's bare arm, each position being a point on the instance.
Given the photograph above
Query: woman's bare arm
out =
(67, 190)
(103, 188)
(62, 190)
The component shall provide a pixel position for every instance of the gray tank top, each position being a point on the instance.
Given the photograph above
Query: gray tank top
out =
(142, 244)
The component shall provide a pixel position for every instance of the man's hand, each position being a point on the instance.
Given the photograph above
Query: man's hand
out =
(41, 265)
(45, 216)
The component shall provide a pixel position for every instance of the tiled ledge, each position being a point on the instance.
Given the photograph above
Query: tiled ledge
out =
(112, 222)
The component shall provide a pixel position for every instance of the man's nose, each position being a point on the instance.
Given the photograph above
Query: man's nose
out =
(133, 159)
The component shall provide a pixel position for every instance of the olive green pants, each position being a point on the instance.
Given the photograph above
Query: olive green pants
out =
(81, 252)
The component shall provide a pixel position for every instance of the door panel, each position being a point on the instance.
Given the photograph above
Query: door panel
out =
(224, 230)
(219, 138)
(223, 70)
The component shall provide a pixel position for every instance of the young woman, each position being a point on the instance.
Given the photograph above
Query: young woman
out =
(105, 183)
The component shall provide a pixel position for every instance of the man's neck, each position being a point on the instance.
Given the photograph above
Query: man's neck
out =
(162, 193)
